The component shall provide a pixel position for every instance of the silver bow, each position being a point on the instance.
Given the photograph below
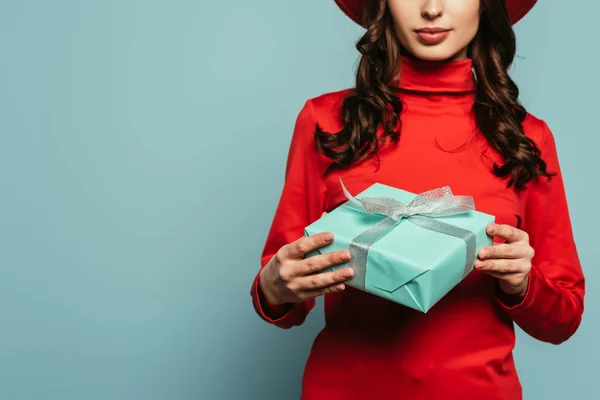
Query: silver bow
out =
(421, 211)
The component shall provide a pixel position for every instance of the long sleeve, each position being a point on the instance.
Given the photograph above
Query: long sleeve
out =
(552, 308)
(301, 202)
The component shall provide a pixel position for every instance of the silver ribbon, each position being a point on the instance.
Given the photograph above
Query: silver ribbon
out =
(421, 211)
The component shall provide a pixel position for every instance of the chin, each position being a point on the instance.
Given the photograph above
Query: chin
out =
(437, 53)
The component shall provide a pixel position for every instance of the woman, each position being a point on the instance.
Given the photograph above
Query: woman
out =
(433, 105)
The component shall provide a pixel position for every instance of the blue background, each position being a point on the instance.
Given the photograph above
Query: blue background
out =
(131, 130)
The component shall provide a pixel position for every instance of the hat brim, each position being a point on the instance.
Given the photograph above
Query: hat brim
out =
(517, 9)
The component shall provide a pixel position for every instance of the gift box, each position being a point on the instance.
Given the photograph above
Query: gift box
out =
(409, 248)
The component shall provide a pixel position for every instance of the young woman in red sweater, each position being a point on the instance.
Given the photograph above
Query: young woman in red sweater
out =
(433, 105)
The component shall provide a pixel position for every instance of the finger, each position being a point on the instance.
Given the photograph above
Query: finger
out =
(335, 288)
(500, 275)
(298, 248)
(324, 214)
(500, 266)
(320, 281)
(502, 250)
(506, 232)
(513, 280)
(318, 262)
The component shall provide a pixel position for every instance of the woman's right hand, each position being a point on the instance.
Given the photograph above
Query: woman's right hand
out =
(291, 278)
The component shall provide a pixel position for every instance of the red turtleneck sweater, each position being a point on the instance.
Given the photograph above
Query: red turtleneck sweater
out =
(371, 348)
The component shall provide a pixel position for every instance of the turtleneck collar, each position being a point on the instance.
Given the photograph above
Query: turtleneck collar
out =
(454, 77)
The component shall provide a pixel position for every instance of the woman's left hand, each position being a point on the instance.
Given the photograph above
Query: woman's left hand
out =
(510, 261)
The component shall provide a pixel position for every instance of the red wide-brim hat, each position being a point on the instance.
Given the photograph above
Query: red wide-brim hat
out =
(354, 9)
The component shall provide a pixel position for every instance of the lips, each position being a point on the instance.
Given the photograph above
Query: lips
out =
(432, 36)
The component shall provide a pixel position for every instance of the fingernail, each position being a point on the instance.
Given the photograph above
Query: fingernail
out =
(341, 287)
(479, 264)
(483, 254)
(347, 273)
(492, 229)
(328, 237)
(345, 256)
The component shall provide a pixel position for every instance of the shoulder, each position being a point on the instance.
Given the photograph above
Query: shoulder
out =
(537, 129)
(330, 102)
(324, 109)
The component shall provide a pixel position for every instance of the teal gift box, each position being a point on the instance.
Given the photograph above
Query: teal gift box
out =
(409, 248)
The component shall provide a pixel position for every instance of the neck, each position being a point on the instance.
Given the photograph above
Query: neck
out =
(436, 77)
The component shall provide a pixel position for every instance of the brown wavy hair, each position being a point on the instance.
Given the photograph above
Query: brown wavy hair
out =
(374, 103)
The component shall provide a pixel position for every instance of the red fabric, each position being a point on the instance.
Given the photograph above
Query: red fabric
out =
(371, 348)
(517, 9)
